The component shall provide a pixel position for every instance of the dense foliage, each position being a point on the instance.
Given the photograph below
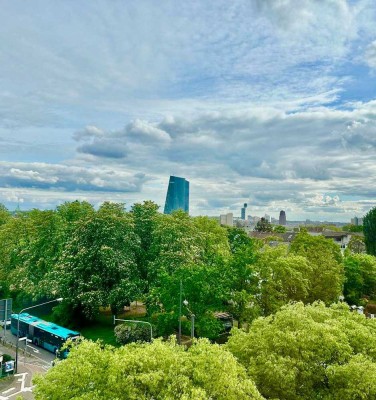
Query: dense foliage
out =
(263, 226)
(369, 229)
(360, 270)
(160, 371)
(129, 333)
(326, 275)
(110, 257)
(310, 352)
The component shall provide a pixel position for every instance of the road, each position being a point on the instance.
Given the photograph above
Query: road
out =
(45, 356)
(33, 361)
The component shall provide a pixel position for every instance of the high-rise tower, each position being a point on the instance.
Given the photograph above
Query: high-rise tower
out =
(282, 218)
(243, 210)
(177, 195)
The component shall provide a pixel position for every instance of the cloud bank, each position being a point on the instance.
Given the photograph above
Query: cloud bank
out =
(272, 103)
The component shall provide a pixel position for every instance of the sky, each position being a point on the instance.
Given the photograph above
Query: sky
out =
(265, 102)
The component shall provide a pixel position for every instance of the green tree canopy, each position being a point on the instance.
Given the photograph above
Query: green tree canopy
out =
(203, 287)
(356, 245)
(324, 256)
(4, 214)
(263, 226)
(279, 229)
(369, 229)
(238, 238)
(98, 265)
(176, 242)
(360, 273)
(352, 228)
(306, 352)
(240, 275)
(213, 240)
(145, 218)
(282, 277)
(160, 371)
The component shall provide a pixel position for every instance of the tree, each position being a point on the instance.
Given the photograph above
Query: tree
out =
(356, 245)
(203, 287)
(281, 277)
(279, 229)
(263, 226)
(352, 228)
(24, 256)
(98, 264)
(145, 218)
(40, 252)
(238, 239)
(354, 380)
(360, 273)
(306, 352)
(72, 212)
(213, 240)
(132, 332)
(369, 229)
(4, 214)
(324, 256)
(176, 243)
(240, 274)
(160, 371)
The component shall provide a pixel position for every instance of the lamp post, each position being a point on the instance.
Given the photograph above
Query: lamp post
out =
(18, 322)
(138, 322)
(180, 297)
(185, 302)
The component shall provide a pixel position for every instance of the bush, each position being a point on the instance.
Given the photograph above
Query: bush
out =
(208, 326)
(132, 333)
(7, 357)
(166, 323)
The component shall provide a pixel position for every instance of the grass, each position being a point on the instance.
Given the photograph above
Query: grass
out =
(103, 327)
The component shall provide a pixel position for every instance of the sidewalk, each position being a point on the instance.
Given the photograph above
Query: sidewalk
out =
(20, 384)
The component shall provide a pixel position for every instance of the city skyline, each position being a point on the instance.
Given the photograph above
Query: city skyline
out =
(271, 104)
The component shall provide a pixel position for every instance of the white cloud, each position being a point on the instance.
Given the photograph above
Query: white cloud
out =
(370, 55)
(68, 178)
(269, 101)
(146, 132)
(88, 132)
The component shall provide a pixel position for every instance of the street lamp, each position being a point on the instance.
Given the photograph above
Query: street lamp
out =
(185, 302)
(138, 322)
(180, 297)
(60, 299)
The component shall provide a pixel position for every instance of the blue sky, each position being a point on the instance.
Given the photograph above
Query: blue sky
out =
(270, 102)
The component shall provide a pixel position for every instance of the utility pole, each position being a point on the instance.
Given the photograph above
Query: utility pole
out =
(180, 297)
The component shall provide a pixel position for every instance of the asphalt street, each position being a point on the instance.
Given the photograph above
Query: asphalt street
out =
(31, 360)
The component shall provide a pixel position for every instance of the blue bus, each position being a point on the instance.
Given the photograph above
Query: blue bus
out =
(42, 333)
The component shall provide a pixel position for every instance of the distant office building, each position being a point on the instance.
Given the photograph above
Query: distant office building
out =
(177, 195)
(243, 211)
(282, 218)
(227, 219)
(254, 219)
(267, 218)
(357, 221)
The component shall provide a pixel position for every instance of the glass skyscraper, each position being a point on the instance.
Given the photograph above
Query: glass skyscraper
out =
(282, 218)
(177, 195)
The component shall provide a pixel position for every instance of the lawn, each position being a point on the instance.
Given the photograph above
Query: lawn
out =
(103, 326)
